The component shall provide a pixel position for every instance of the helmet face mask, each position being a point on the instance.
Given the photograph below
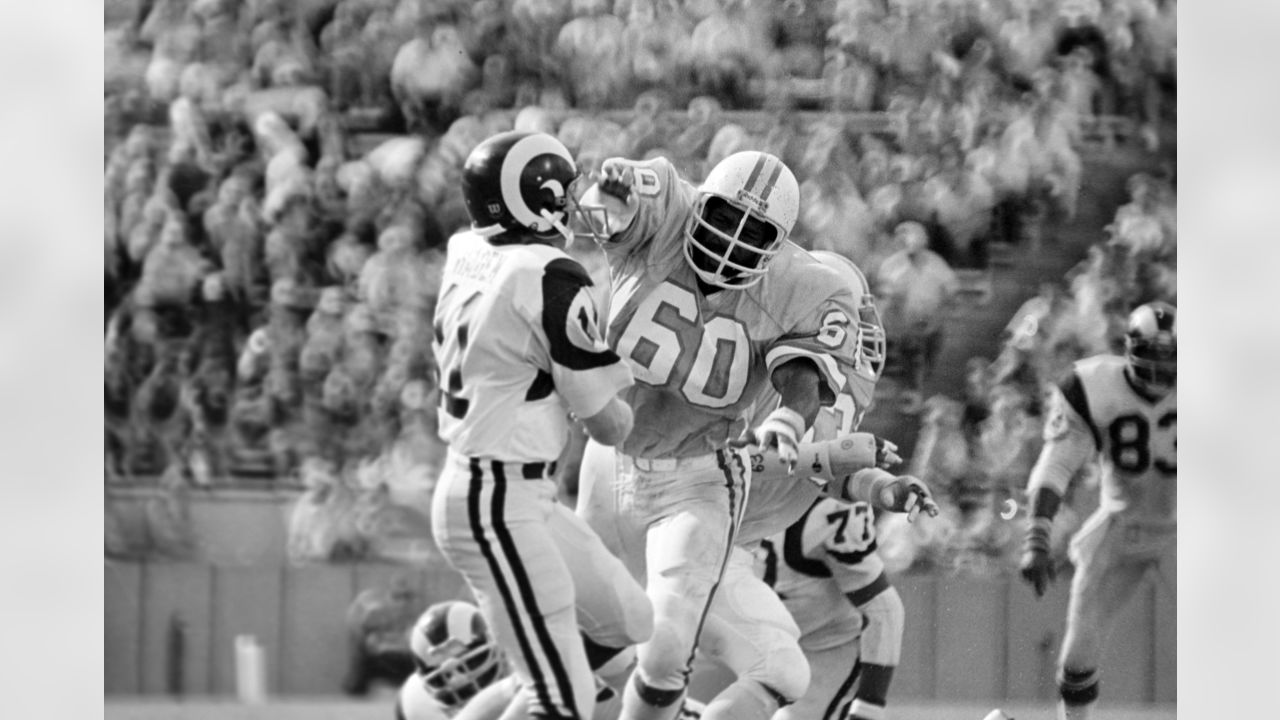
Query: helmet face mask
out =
(744, 212)
(727, 246)
(1151, 346)
(454, 653)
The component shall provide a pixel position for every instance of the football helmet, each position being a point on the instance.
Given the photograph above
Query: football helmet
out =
(519, 182)
(1151, 345)
(454, 652)
(871, 335)
(744, 211)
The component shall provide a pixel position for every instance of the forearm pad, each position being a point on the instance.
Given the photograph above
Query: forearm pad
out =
(822, 461)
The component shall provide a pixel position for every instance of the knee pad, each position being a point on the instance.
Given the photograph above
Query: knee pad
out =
(1078, 687)
(784, 672)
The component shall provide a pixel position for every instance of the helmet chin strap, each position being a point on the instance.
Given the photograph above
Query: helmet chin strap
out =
(488, 230)
(557, 224)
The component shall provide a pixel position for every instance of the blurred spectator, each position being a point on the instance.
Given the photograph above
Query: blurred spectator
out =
(268, 263)
(913, 287)
(322, 523)
(378, 625)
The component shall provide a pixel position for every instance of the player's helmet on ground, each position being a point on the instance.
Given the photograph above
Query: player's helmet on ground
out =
(871, 335)
(454, 652)
(744, 211)
(519, 182)
(1151, 345)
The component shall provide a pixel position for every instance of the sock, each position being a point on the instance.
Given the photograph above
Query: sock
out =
(1078, 690)
(640, 701)
(743, 700)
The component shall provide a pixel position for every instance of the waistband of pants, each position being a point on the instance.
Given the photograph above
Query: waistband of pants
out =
(694, 462)
(528, 471)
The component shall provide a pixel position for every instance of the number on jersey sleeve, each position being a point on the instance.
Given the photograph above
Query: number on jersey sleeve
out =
(570, 318)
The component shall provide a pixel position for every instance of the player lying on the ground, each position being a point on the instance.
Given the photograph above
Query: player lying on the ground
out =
(1125, 412)
(461, 674)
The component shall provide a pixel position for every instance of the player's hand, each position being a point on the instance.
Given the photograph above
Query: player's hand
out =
(887, 456)
(1037, 566)
(782, 430)
(614, 192)
(616, 180)
(908, 494)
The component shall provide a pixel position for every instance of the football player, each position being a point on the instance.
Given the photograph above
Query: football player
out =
(1123, 411)
(820, 585)
(711, 304)
(519, 347)
(454, 658)
(460, 673)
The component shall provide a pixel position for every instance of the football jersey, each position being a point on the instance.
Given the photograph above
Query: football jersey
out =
(829, 552)
(518, 344)
(1136, 437)
(701, 361)
(776, 503)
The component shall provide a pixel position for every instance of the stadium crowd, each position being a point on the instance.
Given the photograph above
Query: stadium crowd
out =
(280, 179)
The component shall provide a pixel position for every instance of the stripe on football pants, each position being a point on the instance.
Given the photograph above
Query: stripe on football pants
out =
(734, 519)
(474, 505)
(838, 705)
(527, 594)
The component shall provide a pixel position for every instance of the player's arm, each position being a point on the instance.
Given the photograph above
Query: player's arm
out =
(893, 493)
(1070, 441)
(584, 370)
(809, 365)
(635, 201)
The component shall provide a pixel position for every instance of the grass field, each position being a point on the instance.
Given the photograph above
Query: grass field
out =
(346, 709)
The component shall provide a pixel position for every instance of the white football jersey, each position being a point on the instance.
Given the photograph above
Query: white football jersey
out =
(701, 361)
(829, 552)
(1135, 436)
(518, 345)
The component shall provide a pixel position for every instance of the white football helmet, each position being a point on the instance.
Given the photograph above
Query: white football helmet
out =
(744, 211)
(1151, 346)
(454, 652)
(871, 336)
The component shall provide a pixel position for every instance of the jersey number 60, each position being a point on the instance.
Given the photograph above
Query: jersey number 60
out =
(652, 342)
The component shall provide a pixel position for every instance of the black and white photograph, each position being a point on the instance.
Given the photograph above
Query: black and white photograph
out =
(650, 360)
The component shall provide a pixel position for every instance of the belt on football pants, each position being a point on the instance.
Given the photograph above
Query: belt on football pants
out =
(528, 471)
(695, 462)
